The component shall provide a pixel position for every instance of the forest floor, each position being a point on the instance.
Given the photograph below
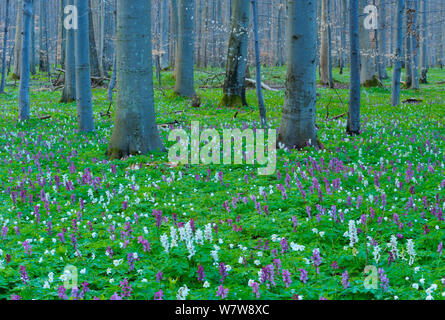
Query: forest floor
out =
(361, 219)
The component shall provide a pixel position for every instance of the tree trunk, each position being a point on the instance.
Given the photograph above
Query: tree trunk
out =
(83, 75)
(415, 47)
(95, 67)
(424, 48)
(325, 66)
(297, 129)
(368, 74)
(382, 39)
(408, 44)
(184, 64)
(135, 131)
(33, 39)
(234, 89)
(353, 125)
(25, 61)
(69, 90)
(5, 48)
(164, 35)
(18, 41)
(259, 92)
(397, 68)
(43, 36)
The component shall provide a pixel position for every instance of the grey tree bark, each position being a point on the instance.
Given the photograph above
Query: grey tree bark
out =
(95, 65)
(5, 48)
(368, 72)
(164, 34)
(297, 129)
(25, 62)
(18, 41)
(33, 39)
(69, 90)
(397, 65)
(325, 66)
(415, 46)
(408, 44)
(85, 117)
(261, 106)
(43, 36)
(353, 125)
(185, 53)
(382, 39)
(424, 42)
(234, 90)
(135, 131)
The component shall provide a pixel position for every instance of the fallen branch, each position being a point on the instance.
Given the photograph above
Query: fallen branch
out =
(263, 85)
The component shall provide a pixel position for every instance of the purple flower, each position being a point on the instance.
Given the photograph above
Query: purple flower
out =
(24, 274)
(440, 247)
(126, 288)
(159, 295)
(384, 281)
(61, 291)
(27, 247)
(255, 288)
(222, 292)
(303, 276)
(316, 259)
(201, 274)
(115, 296)
(286, 278)
(159, 276)
(284, 245)
(223, 271)
(345, 279)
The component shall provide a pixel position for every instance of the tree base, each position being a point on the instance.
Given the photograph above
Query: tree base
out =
(232, 101)
(371, 83)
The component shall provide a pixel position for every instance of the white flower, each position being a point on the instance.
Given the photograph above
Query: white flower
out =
(257, 262)
(353, 238)
(411, 251)
(182, 293)
(208, 232)
(206, 284)
(164, 242)
(117, 262)
(415, 286)
(83, 271)
(376, 253)
(393, 245)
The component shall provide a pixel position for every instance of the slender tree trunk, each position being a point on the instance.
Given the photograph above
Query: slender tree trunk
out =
(353, 125)
(344, 10)
(69, 90)
(280, 61)
(95, 66)
(184, 64)
(135, 131)
(5, 48)
(368, 72)
(424, 42)
(397, 68)
(259, 92)
(325, 45)
(164, 34)
(408, 44)
(297, 129)
(234, 89)
(83, 76)
(43, 36)
(33, 39)
(415, 47)
(382, 39)
(18, 41)
(25, 61)
(175, 31)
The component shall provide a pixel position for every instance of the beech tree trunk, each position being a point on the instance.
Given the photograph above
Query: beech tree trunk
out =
(25, 62)
(297, 129)
(234, 89)
(135, 131)
(397, 65)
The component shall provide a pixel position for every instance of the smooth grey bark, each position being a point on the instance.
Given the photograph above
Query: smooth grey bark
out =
(85, 117)
(164, 35)
(185, 52)
(25, 62)
(95, 65)
(135, 130)
(18, 41)
(33, 39)
(353, 125)
(234, 89)
(5, 48)
(368, 72)
(382, 39)
(280, 59)
(297, 129)
(397, 65)
(43, 36)
(408, 44)
(69, 90)
(415, 47)
(325, 66)
(62, 32)
(259, 92)
(424, 42)
(174, 22)
(344, 18)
